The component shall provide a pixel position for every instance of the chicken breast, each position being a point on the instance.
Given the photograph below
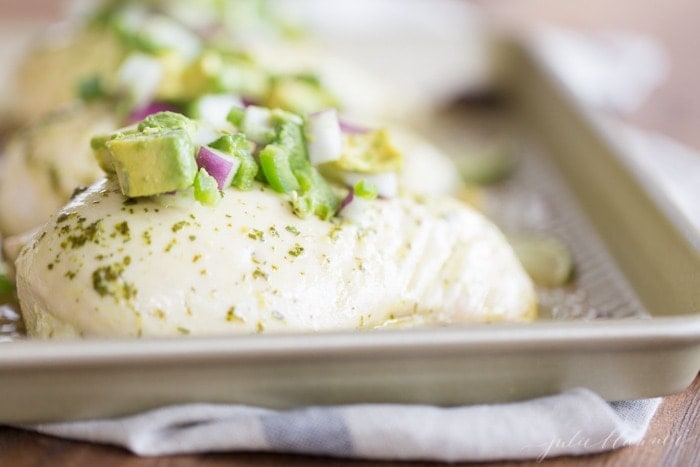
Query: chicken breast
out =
(163, 266)
(43, 165)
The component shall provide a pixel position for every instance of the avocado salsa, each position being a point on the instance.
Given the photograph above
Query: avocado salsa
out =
(166, 152)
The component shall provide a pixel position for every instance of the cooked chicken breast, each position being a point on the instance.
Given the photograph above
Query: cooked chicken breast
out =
(108, 266)
(42, 166)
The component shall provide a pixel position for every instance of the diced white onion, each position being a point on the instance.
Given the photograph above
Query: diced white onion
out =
(140, 75)
(168, 34)
(205, 134)
(355, 210)
(387, 183)
(193, 15)
(257, 124)
(131, 17)
(325, 137)
(214, 108)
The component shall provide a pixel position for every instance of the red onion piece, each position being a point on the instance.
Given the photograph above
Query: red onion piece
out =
(154, 107)
(247, 101)
(347, 200)
(353, 129)
(217, 164)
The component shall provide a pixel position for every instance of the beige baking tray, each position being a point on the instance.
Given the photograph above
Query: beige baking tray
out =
(638, 281)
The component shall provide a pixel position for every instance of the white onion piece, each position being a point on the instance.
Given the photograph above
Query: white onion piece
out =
(257, 124)
(131, 17)
(387, 183)
(219, 165)
(355, 210)
(205, 134)
(325, 137)
(194, 16)
(214, 108)
(169, 34)
(140, 75)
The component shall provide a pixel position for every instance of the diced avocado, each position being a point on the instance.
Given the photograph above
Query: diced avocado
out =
(102, 154)
(217, 72)
(242, 78)
(369, 152)
(167, 121)
(153, 161)
(206, 190)
(300, 94)
(99, 147)
(231, 144)
(279, 116)
(237, 145)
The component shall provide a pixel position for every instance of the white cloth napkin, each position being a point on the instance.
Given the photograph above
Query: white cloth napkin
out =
(575, 422)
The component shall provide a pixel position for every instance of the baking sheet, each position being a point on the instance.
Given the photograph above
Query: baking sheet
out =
(629, 328)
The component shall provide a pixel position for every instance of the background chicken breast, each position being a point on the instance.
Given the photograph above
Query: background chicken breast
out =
(42, 166)
(169, 266)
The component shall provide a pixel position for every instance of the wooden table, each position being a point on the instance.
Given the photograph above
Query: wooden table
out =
(674, 109)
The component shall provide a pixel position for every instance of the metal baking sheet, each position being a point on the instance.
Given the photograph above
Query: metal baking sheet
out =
(629, 327)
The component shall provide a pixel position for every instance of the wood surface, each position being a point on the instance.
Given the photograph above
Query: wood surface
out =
(674, 109)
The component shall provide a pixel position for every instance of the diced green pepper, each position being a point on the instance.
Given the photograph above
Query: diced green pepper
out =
(275, 165)
(206, 190)
(365, 189)
(316, 195)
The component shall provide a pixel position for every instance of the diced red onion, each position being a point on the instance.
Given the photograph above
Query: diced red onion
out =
(347, 200)
(325, 138)
(353, 129)
(217, 164)
(139, 114)
(247, 101)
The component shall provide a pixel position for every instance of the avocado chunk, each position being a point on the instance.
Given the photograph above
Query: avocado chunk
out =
(151, 164)
(300, 94)
(370, 152)
(157, 158)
